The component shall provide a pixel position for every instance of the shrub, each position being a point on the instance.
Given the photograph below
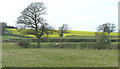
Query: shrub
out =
(65, 45)
(102, 41)
(24, 43)
(87, 45)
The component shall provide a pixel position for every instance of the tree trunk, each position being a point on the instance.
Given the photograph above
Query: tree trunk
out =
(38, 42)
(61, 34)
(108, 34)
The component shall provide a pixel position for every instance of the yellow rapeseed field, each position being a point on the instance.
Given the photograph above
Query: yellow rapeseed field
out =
(70, 33)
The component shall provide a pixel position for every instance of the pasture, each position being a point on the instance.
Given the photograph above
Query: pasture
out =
(16, 56)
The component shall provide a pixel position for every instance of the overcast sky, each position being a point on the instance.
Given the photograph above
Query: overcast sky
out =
(81, 15)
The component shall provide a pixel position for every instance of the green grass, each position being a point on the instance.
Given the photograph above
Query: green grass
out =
(0, 37)
(78, 37)
(15, 56)
(115, 42)
(9, 37)
(5, 37)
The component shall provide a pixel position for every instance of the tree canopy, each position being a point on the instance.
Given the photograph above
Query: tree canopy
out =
(32, 18)
(107, 27)
(63, 29)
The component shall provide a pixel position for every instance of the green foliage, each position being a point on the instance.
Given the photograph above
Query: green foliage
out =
(107, 27)
(24, 43)
(102, 40)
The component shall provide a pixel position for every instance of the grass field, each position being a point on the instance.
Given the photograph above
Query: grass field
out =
(9, 37)
(15, 56)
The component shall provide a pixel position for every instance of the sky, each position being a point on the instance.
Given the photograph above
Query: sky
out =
(80, 15)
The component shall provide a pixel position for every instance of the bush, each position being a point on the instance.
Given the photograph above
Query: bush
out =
(102, 41)
(87, 45)
(65, 45)
(24, 43)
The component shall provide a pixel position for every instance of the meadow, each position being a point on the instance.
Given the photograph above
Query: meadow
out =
(16, 56)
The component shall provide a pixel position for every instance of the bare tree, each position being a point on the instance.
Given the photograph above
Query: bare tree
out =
(63, 29)
(107, 27)
(32, 19)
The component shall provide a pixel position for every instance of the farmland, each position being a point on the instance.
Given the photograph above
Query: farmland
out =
(45, 57)
(70, 33)
(44, 34)
(57, 57)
